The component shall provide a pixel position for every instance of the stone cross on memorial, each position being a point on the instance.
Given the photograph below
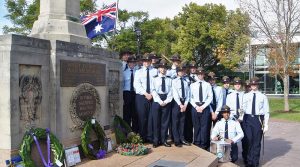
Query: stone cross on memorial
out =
(59, 20)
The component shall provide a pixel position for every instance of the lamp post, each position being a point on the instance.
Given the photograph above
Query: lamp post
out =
(138, 34)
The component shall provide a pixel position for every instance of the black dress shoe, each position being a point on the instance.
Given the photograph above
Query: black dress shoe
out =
(185, 143)
(178, 144)
(167, 144)
(155, 145)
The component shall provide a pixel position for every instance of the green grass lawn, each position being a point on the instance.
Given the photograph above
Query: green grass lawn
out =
(277, 106)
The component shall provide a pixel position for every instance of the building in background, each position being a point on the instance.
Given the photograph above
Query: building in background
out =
(258, 66)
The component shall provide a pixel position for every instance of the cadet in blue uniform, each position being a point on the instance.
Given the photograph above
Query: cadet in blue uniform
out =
(161, 107)
(216, 103)
(188, 126)
(201, 97)
(154, 60)
(129, 113)
(234, 101)
(256, 118)
(124, 55)
(229, 130)
(226, 90)
(181, 95)
(142, 84)
(193, 72)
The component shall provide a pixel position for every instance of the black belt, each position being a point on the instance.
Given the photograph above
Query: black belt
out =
(163, 96)
(250, 115)
(199, 103)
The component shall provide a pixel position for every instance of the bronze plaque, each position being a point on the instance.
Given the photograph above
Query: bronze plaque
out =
(85, 106)
(74, 73)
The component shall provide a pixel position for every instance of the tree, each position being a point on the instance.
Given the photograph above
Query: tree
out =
(277, 21)
(211, 34)
(22, 14)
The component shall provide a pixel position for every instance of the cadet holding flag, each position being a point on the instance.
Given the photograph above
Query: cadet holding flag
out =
(142, 84)
(256, 120)
(201, 97)
(161, 107)
(181, 94)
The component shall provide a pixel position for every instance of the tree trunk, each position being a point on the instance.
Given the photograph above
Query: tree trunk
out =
(286, 93)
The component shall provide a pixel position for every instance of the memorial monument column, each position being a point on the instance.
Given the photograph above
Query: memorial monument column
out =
(59, 20)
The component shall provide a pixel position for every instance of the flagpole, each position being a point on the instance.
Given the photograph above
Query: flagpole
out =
(117, 18)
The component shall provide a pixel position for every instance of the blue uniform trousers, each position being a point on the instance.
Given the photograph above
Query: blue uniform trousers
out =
(234, 152)
(244, 143)
(178, 120)
(202, 127)
(253, 132)
(188, 125)
(129, 112)
(161, 119)
(143, 107)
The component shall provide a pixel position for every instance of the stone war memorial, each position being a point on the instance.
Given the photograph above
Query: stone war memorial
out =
(55, 79)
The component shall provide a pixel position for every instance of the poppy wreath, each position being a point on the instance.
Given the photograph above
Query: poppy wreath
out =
(88, 149)
(40, 134)
(130, 149)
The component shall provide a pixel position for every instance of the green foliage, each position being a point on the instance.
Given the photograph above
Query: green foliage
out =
(201, 30)
(86, 138)
(122, 129)
(134, 138)
(208, 34)
(88, 6)
(22, 15)
(25, 148)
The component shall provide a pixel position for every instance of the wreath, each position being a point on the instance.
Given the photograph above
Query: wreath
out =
(28, 139)
(130, 149)
(87, 147)
(122, 129)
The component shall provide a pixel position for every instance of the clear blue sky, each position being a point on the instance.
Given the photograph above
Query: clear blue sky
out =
(3, 12)
(156, 8)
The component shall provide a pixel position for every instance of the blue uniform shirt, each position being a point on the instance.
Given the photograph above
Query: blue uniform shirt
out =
(206, 93)
(157, 88)
(219, 97)
(177, 92)
(261, 105)
(231, 102)
(235, 132)
(127, 79)
(140, 79)
(172, 72)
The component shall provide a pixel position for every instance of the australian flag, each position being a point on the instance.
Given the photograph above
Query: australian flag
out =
(100, 22)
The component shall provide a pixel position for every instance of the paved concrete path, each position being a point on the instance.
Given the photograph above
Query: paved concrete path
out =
(187, 156)
(282, 145)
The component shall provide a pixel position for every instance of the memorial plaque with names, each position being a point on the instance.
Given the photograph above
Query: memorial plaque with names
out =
(85, 106)
(74, 73)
